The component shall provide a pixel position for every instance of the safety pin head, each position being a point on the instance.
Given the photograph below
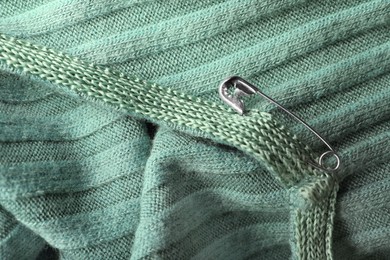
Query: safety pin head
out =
(242, 88)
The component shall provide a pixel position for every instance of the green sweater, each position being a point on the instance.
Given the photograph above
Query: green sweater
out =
(114, 142)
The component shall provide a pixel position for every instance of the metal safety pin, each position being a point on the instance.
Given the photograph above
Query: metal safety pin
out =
(244, 88)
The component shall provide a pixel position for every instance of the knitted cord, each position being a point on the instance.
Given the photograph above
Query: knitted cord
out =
(312, 223)
(257, 134)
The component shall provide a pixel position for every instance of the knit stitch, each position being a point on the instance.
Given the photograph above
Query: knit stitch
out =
(82, 176)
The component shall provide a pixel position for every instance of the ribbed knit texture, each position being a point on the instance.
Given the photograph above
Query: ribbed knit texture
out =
(80, 171)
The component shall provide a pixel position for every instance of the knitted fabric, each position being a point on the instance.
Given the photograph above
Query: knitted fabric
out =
(80, 171)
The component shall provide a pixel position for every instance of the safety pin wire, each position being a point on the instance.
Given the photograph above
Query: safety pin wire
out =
(245, 88)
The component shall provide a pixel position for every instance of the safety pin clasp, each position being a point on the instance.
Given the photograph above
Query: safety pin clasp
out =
(244, 88)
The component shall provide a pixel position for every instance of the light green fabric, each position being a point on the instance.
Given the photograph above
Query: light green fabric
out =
(84, 171)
